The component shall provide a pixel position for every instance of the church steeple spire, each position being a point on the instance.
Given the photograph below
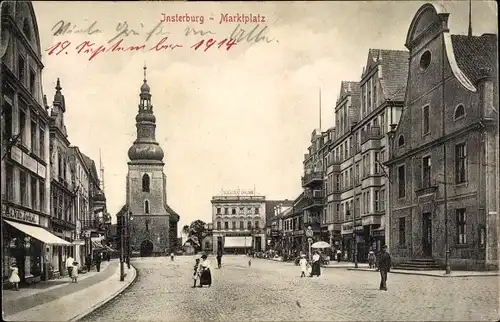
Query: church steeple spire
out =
(145, 147)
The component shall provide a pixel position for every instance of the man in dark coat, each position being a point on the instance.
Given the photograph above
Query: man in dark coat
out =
(384, 265)
(98, 259)
(219, 258)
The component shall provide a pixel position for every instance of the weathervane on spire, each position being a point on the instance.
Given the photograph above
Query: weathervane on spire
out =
(145, 70)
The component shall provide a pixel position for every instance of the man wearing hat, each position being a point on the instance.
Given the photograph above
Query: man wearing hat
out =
(384, 266)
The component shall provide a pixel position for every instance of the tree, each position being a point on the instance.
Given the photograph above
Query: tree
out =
(185, 230)
(196, 232)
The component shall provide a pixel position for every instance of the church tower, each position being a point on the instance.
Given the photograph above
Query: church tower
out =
(146, 184)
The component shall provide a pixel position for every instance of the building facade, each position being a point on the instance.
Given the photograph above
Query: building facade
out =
(444, 165)
(239, 221)
(25, 177)
(151, 229)
(274, 209)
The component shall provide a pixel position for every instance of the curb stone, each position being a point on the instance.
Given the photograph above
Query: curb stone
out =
(426, 274)
(112, 297)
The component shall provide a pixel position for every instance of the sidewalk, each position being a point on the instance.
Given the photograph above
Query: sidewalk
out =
(440, 273)
(70, 301)
(334, 264)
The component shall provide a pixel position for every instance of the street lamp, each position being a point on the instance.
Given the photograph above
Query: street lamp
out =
(126, 216)
(309, 235)
(355, 241)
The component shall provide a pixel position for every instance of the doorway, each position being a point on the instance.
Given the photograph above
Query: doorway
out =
(146, 248)
(427, 234)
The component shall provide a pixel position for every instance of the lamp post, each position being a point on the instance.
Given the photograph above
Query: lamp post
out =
(124, 228)
(355, 241)
(309, 235)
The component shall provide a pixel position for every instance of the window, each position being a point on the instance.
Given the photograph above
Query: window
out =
(249, 225)
(26, 29)
(377, 170)
(338, 213)
(32, 82)
(382, 200)
(460, 163)
(7, 114)
(461, 226)
(226, 225)
(9, 182)
(382, 156)
(242, 225)
(256, 210)
(23, 185)
(459, 112)
(219, 225)
(145, 182)
(242, 210)
(426, 172)
(401, 141)
(402, 232)
(233, 211)
(22, 124)
(59, 206)
(234, 225)
(218, 211)
(425, 60)
(376, 201)
(357, 173)
(34, 141)
(34, 193)
(21, 69)
(41, 191)
(425, 120)
(146, 206)
(375, 96)
(226, 211)
(401, 182)
(383, 130)
(257, 226)
(369, 96)
(337, 182)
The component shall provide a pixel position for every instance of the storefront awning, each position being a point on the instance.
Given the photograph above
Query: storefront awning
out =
(237, 242)
(39, 233)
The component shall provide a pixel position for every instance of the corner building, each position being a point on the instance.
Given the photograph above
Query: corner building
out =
(147, 186)
(444, 165)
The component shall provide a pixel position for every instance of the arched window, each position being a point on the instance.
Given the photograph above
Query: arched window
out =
(145, 183)
(401, 141)
(459, 112)
(26, 29)
(146, 206)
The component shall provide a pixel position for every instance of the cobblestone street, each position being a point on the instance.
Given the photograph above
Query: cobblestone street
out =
(271, 290)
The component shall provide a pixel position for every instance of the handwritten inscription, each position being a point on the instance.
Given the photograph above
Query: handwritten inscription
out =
(63, 28)
(255, 35)
(93, 49)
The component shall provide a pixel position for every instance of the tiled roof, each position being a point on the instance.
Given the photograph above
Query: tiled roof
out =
(394, 72)
(172, 212)
(474, 53)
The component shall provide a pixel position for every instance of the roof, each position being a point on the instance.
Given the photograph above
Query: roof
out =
(91, 166)
(473, 53)
(394, 71)
(172, 212)
(270, 204)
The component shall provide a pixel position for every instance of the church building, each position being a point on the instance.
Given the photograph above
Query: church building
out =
(152, 223)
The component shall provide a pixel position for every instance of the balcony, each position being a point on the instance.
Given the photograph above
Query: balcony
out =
(312, 178)
(314, 200)
(373, 133)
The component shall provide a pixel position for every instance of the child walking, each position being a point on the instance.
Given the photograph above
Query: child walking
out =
(14, 276)
(303, 265)
(74, 273)
(195, 275)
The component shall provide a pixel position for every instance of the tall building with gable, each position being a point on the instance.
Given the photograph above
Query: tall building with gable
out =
(153, 228)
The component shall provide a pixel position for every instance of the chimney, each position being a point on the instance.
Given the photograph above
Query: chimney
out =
(485, 89)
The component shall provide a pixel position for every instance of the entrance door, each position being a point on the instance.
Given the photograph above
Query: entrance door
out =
(146, 248)
(427, 234)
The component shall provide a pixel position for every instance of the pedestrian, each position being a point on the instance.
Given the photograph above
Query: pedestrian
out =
(69, 265)
(196, 265)
(204, 271)
(384, 266)
(74, 272)
(219, 258)
(316, 265)
(108, 256)
(172, 256)
(98, 260)
(303, 265)
(339, 255)
(88, 261)
(371, 258)
(14, 276)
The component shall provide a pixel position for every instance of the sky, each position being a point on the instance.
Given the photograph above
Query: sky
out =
(226, 119)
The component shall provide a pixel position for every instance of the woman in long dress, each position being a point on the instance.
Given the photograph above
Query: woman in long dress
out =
(14, 276)
(204, 271)
(316, 265)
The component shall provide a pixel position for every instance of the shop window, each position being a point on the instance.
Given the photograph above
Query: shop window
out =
(402, 232)
(34, 193)
(145, 182)
(23, 187)
(461, 226)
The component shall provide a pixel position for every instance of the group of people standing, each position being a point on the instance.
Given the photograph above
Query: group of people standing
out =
(313, 268)
(202, 274)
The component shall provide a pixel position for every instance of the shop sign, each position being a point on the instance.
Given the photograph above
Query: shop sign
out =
(30, 163)
(347, 228)
(371, 220)
(21, 215)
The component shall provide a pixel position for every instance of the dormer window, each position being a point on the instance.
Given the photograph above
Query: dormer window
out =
(26, 29)
(425, 60)
(401, 141)
(459, 112)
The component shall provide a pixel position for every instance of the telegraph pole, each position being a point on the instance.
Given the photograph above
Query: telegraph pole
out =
(122, 248)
